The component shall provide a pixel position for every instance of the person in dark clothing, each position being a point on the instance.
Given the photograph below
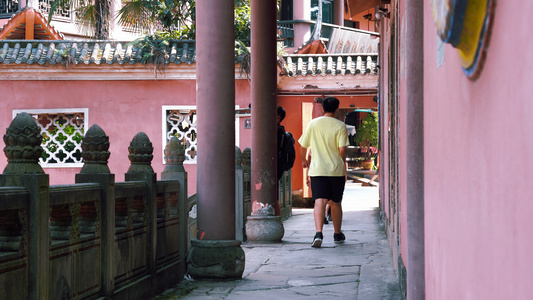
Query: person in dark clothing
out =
(281, 130)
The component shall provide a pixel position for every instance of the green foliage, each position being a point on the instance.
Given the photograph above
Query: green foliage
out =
(242, 20)
(166, 15)
(154, 49)
(367, 134)
(173, 17)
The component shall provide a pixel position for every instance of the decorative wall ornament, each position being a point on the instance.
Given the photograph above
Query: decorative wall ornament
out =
(246, 159)
(95, 154)
(140, 154)
(23, 146)
(238, 156)
(465, 24)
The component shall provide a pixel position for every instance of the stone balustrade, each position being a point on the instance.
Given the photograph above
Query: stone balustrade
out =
(95, 238)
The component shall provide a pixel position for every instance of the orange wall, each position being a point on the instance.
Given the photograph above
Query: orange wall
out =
(363, 23)
(293, 122)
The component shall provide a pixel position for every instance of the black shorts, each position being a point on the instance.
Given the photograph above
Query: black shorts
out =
(328, 187)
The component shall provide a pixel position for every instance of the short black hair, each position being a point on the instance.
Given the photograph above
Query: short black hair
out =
(330, 104)
(281, 113)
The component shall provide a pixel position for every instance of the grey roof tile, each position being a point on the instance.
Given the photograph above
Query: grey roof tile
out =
(87, 52)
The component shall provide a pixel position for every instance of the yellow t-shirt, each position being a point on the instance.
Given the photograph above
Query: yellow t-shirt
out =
(325, 135)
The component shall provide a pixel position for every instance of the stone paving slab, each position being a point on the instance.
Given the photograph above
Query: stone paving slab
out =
(361, 268)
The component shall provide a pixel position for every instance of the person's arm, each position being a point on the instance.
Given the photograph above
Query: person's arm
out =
(303, 155)
(343, 151)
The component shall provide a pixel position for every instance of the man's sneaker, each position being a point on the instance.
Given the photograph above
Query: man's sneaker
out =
(339, 238)
(326, 221)
(329, 217)
(317, 240)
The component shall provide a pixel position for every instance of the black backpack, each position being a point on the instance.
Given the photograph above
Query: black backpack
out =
(286, 153)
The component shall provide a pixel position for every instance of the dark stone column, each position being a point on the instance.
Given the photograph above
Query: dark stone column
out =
(265, 223)
(414, 73)
(216, 253)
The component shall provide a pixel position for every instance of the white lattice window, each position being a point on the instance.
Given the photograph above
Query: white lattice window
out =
(8, 7)
(63, 131)
(180, 121)
(44, 6)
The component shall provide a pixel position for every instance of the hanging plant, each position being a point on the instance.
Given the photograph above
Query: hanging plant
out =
(155, 54)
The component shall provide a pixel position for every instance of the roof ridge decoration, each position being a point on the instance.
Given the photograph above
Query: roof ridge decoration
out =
(29, 24)
(331, 64)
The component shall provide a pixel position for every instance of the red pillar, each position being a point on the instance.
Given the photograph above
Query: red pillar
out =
(264, 102)
(215, 98)
(414, 74)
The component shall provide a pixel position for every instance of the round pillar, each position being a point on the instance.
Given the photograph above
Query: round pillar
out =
(264, 121)
(215, 98)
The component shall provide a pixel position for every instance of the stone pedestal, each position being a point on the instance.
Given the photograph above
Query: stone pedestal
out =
(216, 259)
(267, 229)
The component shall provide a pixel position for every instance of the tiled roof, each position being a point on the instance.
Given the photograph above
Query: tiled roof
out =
(312, 47)
(111, 52)
(88, 52)
(335, 64)
(29, 22)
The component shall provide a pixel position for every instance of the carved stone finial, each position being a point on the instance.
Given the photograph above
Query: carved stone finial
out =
(23, 146)
(174, 155)
(247, 159)
(140, 156)
(95, 146)
(238, 156)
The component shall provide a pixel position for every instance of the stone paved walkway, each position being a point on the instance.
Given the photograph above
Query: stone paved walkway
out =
(361, 268)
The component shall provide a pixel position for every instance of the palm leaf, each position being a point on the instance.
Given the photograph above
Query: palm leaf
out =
(85, 20)
(136, 15)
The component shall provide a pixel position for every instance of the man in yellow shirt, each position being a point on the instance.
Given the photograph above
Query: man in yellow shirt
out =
(328, 139)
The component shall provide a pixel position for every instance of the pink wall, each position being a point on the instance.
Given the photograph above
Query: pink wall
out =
(120, 108)
(478, 145)
(394, 209)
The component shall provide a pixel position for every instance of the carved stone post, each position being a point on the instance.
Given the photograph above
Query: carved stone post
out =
(95, 146)
(23, 149)
(140, 155)
(247, 174)
(174, 157)
(239, 196)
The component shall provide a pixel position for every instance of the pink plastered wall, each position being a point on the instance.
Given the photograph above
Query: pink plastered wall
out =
(393, 195)
(478, 140)
(120, 108)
